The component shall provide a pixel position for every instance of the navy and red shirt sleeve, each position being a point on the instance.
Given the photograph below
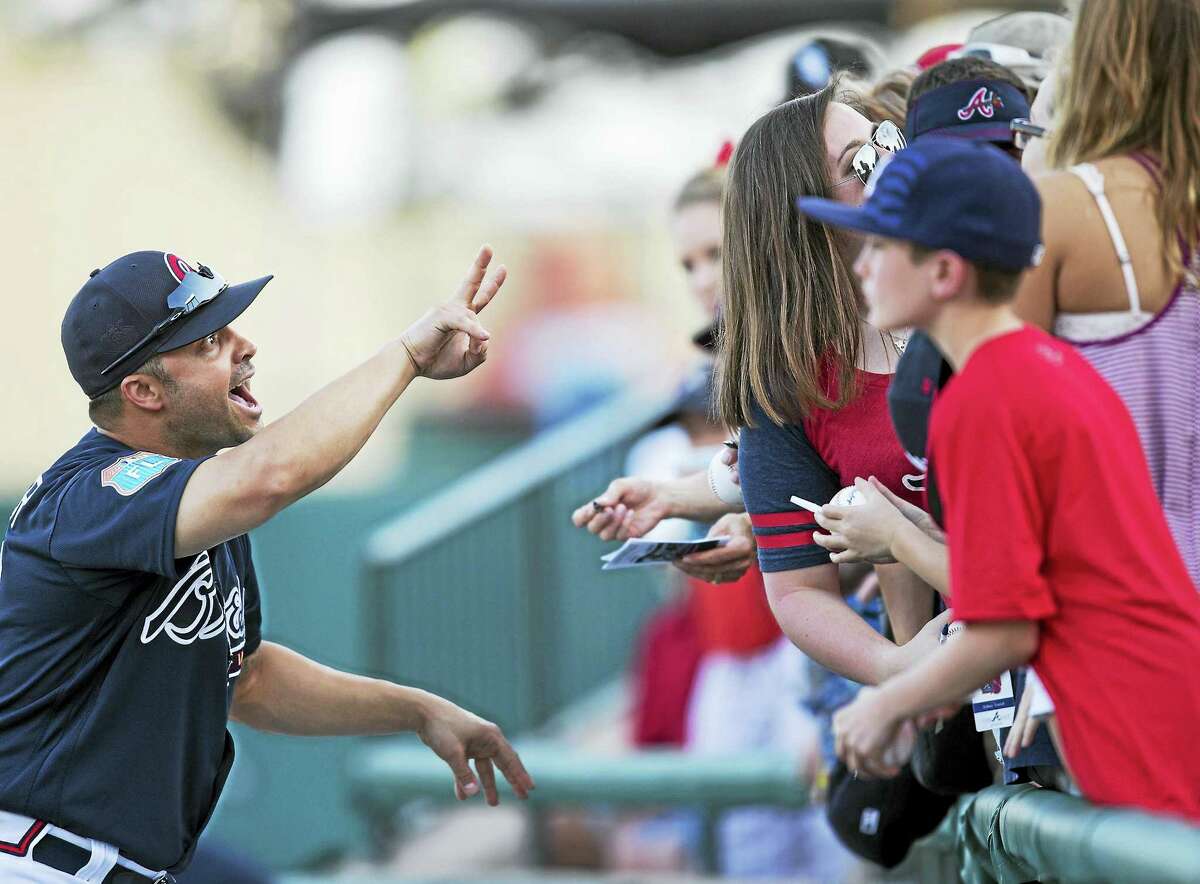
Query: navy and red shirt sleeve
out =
(774, 463)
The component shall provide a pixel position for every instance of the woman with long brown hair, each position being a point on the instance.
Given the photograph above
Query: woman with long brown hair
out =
(806, 378)
(1124, 148)
(798, 367)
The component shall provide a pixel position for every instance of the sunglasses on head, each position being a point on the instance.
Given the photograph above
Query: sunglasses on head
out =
(888, 137)
(197, 288)
(1024, 131)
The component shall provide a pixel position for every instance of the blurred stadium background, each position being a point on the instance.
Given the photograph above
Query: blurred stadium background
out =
(360, 151)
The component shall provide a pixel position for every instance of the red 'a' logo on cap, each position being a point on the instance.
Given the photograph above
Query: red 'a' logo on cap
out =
(179, 268)
(984, 100)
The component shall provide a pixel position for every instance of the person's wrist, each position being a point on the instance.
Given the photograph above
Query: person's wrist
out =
(896, 525)
(744, 528)
(899, 660)
(667, 498)
(894, 662)
(886, 707)
(417, 708)
(902, 535)
(410, 356)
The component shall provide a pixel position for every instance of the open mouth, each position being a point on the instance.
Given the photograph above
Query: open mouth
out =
(241, 396)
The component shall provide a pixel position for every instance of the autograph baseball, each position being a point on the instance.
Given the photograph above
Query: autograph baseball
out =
(848, 496)
(721, 483)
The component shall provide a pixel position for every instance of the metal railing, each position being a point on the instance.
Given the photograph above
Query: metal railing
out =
(1022, 833)
(488, 594)
(511, 616)
(389, 773)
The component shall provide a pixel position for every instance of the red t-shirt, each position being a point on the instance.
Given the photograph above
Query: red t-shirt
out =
(733, 618)
(1051, 516)
(664, 672)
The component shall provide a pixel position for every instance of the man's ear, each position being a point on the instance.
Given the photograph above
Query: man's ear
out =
(144, 391)
(948, 273)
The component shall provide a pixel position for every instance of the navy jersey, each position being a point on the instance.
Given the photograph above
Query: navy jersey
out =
(920, 375)
(117, 660)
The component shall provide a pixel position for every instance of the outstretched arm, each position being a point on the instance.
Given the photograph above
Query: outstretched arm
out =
(631, 507)
(285, 692)
(243, 487)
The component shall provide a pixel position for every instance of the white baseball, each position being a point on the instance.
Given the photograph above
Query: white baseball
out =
(720, 481)
(848, 496)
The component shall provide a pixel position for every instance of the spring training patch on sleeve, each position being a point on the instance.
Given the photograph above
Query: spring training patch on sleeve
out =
(131, 473)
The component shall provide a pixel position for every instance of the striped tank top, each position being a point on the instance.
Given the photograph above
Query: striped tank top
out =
(1153, 362)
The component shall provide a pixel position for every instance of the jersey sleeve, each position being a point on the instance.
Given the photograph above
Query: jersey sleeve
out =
(774, 463)
(995, 517)
(121, 514)
(252, 601)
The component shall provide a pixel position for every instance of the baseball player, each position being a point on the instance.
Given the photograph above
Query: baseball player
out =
(129, 607)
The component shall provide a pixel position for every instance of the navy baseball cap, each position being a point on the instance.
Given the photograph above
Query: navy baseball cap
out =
(948, 193)
(980, 109)
(127, 300)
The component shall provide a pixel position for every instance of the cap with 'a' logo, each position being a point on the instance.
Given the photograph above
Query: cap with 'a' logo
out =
(125, 301)
(977, 109)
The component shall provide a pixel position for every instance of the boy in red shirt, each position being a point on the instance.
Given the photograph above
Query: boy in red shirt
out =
(1060, 555)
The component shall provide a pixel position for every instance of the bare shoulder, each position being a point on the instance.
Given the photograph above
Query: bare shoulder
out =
(1063, 195)
(1124, 170)
(1070, 218)
(1057, 181)
(1037, 299)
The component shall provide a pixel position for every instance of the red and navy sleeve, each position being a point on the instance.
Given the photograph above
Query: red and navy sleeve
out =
(774, 463)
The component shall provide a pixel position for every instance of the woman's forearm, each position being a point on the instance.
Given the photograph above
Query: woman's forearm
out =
(824, 627)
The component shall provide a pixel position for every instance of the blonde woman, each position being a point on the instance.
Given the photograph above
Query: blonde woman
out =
(1122, 226)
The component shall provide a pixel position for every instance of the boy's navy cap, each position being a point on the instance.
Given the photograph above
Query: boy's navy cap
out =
(948, 193)
(121, 303)
(979, 109)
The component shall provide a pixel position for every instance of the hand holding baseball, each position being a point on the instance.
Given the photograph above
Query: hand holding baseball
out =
(448, 341)
(863, 531)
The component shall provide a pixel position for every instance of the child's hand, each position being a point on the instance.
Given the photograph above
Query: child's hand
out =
(911, 511)
(863, 532)
(865, 730)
